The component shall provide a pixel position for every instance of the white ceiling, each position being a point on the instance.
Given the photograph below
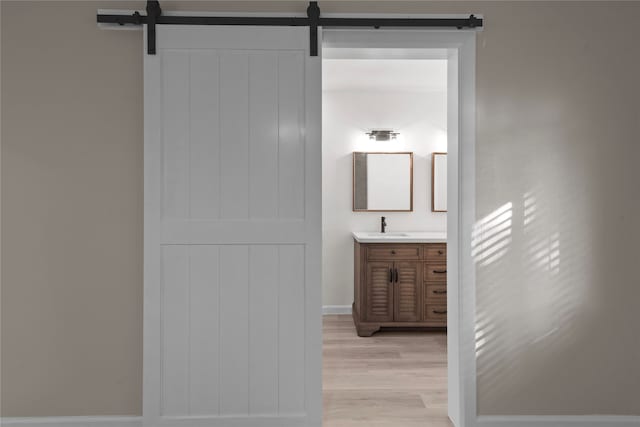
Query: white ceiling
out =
(402, 75)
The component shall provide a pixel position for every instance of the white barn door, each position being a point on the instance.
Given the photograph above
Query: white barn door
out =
(232, 316)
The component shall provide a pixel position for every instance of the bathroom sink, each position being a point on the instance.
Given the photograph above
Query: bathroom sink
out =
(400, 237)
(386, 235)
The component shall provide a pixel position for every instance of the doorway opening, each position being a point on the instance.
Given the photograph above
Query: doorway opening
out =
(385, 334)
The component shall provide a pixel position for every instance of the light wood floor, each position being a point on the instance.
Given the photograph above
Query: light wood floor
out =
(392, 379)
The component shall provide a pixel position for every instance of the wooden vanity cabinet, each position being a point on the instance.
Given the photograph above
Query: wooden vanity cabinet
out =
(399, 285)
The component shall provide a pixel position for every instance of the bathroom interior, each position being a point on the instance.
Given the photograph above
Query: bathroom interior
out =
(384, 237)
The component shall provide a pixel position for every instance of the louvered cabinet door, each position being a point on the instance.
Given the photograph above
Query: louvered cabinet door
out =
(379, 291)
(407, 291)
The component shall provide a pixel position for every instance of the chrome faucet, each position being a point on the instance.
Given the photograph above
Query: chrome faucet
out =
(383, 224)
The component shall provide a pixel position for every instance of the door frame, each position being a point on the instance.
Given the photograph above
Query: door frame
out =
(459, 49)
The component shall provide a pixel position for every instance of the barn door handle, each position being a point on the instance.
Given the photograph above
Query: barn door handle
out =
(439, 271)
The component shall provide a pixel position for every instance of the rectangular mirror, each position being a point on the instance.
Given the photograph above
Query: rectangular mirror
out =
(382, 182)
(439, 182)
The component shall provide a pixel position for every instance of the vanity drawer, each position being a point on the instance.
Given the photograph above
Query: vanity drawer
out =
(435, 293)
(435, 272)
(389, 252)
(436, 253)
(435, 313)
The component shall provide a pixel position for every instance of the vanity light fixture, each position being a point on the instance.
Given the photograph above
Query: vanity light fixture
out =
(382, 135)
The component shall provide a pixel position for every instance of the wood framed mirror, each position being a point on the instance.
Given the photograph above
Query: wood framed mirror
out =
(382, 182)
(439, 182)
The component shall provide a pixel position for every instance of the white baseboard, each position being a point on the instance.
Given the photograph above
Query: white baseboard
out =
(483, 421)
(96, 421)
(559, 421)
(336, 309)
(106, 421)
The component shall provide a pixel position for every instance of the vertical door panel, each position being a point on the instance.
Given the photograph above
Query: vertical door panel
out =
(175, 330)
(234, 330)
(204, 135)
(291, 317)
(263, 328)
(291, 161)
(263, 135)
(234, 134)
(204, 332)
(175, 134)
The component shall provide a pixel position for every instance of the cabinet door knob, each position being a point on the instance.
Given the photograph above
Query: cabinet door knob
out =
(440, 252)
(393, 252)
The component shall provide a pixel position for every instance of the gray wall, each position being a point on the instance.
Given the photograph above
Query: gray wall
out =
(558, 126)
(71, 212)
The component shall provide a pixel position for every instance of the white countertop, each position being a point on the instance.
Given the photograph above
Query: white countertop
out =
(400, 237)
